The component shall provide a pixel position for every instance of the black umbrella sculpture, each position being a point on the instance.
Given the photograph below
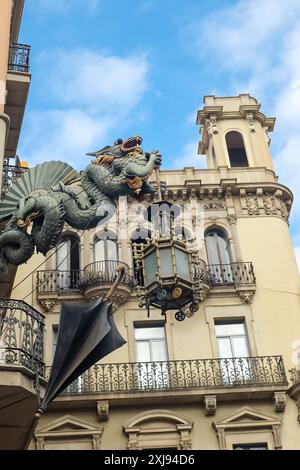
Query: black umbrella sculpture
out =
(87, 333)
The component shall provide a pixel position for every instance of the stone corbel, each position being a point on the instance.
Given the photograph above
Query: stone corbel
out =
(277, 437)
(103, 410)
(279, 401)
(47, 305)
(251, 122)
(210, 402)
(246, 295)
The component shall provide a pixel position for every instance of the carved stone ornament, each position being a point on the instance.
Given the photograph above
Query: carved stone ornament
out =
(252, 204)
(210, 402)
(185, 444)
(47, 305)
(280, 401)
(251, 122)
(269, 204)
(103, 410)
(246, 296)
(212, 127)
(214, 204)
(232, 219)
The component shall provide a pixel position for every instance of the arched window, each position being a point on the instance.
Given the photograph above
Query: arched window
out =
(218, 256)
(68, 261)
(105, 247)
(217, 247)
(138, 237)
(236, 149)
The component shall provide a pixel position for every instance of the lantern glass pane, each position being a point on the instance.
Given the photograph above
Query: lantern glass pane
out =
(150, 267)
(166, 262)
(182, 264)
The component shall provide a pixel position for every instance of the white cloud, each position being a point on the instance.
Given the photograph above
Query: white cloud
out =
(258, 45)
(188, 157)
(94, 94)
(102, 82)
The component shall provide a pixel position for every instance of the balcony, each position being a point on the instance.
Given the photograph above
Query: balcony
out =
(91, 283)
(186, 380)
(17, 84)
(21, 336)
(21, 360)
(238, 274)
(19, 58)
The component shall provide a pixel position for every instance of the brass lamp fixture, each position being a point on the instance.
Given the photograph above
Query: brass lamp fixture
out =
(173, 275)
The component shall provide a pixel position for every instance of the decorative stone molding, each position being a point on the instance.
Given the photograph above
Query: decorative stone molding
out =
(211, 124)
(279, 401)
(243, 423)
(185, 444)
(214, 204)
(153, 427)
(210, 402)
(252, 204)
(214, 219)
(47, 305)
(246, 295)
(250, 121)
(269, 204)
(232, 219)
(69, 429)
(103, 410)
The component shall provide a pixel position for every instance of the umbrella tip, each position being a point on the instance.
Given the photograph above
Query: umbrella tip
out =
(39, 413)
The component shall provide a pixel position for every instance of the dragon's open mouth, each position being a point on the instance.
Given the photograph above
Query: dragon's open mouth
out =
(132, 143)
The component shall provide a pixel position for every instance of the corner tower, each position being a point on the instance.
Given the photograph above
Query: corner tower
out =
(235, 132)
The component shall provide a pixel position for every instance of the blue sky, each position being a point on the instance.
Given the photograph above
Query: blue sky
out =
(103, 69)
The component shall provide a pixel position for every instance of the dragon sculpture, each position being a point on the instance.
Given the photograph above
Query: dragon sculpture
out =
(49, 195)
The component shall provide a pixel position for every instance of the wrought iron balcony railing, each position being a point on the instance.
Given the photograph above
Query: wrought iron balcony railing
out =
(19, 58)
(9, 175)
(238, 274)
(93, 275)
(21, 336)
(180, 375)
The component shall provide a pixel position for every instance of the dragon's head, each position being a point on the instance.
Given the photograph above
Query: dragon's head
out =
(120, 149)
(26, 211)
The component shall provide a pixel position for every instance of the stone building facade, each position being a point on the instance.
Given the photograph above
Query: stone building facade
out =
(220, 379)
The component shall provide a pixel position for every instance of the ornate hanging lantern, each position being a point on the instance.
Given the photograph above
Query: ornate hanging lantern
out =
(174, 276)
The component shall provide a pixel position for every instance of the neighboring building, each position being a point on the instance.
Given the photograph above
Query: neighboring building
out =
(14, 88)
(217, 380)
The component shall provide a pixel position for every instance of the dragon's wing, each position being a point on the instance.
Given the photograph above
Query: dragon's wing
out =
(42, 176)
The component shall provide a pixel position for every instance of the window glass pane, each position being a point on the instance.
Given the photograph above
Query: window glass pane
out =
(239, 346)
(225, 347)
(99, 251)
(166, 262)
(111, 250)
(150, 333)
(224, 257)
(211, 248)
(182, 264)
(54, 338)
(150, 267)
(158, 350)
(250, 447)
(229, 329)
(63, 255)
(143, 351)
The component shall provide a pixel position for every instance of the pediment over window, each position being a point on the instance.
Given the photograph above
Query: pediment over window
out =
(69, 433)
(68, 423)
(247, 416)
(159, 429)
(246, 424)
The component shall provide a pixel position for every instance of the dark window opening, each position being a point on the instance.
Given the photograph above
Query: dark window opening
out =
(236, 149)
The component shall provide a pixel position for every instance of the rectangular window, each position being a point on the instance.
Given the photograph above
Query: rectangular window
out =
(151, 356)
(232, 338)
(235, 366)
(262, 446)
